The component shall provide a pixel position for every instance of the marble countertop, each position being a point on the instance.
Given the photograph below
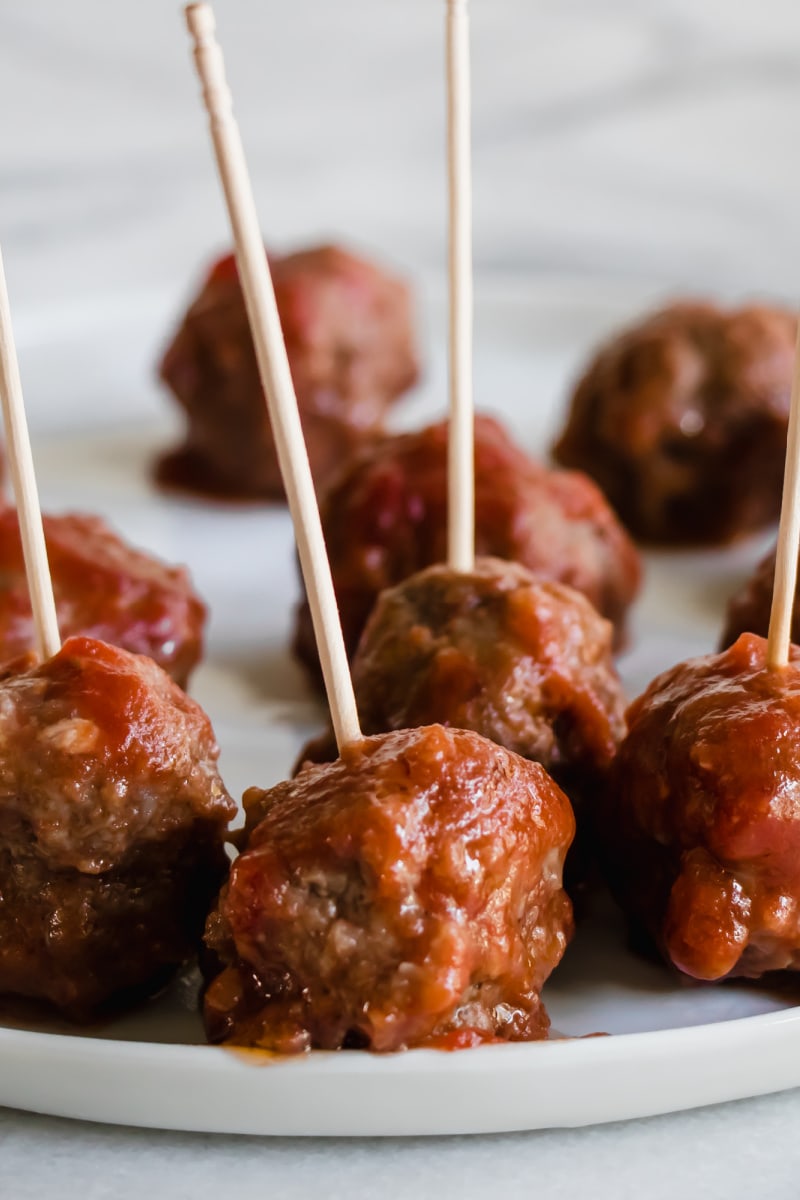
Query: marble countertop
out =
(737, 1152)
(647, 143)
(635, 139)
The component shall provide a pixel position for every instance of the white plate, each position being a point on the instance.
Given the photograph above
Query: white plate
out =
(672, 1046)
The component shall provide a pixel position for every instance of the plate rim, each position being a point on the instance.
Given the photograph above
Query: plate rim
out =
(520, 1086)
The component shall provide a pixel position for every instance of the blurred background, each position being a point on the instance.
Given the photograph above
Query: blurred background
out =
(643, 140)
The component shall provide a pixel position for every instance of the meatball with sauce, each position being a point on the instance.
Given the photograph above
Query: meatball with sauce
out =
(682, 421)
(701, 822)
(105, 589)
(523, 661)
(112, 822)
(407, 894)
(749, 608)
(385, 518)
(350, 341)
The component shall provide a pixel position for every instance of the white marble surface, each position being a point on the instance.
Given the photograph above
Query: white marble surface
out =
(745, 1151)
(642, 139)
(641, 144)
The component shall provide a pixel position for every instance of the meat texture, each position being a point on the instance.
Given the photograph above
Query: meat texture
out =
(408, 893)
(749, 608)
(112, 818)
(523, 661)
(105, 589)
(702, 819)
(385, 518)
(682, 421)
(350, 341)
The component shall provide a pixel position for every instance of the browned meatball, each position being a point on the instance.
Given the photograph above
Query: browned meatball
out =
(749, 609)
(702, 819)
(385, 517)
(407, 893)
(349, 337)
(523, 661)
(682, 421)
(105, 589)
(112, 818)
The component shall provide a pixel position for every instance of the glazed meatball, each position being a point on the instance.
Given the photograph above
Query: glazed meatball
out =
(112, 818)
(523, 661)
(406, 894)
(348, 332)
(682, 421)
(749, 609)
(702, 820)
(385, 518)
(103, 588)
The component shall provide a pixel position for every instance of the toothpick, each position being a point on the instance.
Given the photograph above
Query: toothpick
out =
(276, 379)
(785, 582)
(37, 569)
(461, 441)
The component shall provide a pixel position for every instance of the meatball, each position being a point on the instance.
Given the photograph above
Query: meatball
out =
(105, 589)
(523, 661)
(407, 893)
(682, 421)
(349, 337)
(701, 823)
(749, 609)
(385, 517)
(112, 818)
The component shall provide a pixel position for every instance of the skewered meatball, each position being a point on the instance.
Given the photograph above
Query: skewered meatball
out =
(112, 817)
(682, 421)
(523, 661)
(408, 892)
(749, 609)
(105, 589)
(349, 337)
(385, 517)
(702, 819)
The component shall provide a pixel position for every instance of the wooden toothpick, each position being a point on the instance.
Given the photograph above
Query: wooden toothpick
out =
(23, 479)
(785, 582)
(276, 379)
(461, 442)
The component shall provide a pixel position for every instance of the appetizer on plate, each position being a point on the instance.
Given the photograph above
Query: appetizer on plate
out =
(701, 819)
(523, 661)
(682, 420)
(749, 608)
(103, 588)
(384, 518)
(349, 335)
(112, 824)
(407, 894)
